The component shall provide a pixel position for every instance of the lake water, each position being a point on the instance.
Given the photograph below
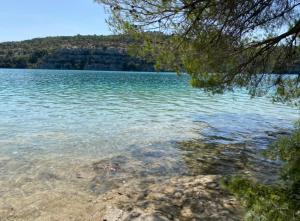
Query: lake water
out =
(56, 127)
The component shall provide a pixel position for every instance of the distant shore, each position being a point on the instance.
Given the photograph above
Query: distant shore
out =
(91, 52)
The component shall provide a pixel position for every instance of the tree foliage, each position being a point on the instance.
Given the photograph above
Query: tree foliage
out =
(225, 44)
(221, 44)
(88, 52)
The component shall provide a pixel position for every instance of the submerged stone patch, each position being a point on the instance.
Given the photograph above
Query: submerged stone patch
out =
(143, 184)
(179, 198)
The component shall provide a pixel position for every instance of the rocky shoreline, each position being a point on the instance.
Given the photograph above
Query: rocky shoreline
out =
(179, 198)
(143, 184)
(108, 190)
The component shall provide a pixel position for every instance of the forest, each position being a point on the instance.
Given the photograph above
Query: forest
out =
(91, 52)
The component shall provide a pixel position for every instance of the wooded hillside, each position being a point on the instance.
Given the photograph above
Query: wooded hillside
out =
(78, 52)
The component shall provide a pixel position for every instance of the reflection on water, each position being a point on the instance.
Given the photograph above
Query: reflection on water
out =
(68, 137)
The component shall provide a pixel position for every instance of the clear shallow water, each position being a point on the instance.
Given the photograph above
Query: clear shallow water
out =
(63, 130)
(98, 113)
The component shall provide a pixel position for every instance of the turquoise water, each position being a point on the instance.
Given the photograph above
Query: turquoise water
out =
(54, 126)
(98, 113)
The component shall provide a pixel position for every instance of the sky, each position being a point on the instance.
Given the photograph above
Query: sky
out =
(27, 19)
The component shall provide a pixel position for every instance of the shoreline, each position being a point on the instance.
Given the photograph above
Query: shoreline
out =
(147, 185)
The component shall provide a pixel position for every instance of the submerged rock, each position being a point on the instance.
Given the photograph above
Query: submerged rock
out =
(114, 214)
(179, 198)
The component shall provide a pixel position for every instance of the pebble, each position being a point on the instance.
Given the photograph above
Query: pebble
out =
(224, 212)
(135, 214)
(79, 176)
(178, 194)
(212, 185)
(186, 212)
(154, 218)
(169, 190)
(215, 216)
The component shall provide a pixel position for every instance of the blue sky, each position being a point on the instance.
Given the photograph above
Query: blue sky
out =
(26, 19)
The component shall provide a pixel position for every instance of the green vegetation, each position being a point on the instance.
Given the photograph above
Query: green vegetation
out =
(280, 201)
(78, 52)
(221, 44)
(225, 45)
